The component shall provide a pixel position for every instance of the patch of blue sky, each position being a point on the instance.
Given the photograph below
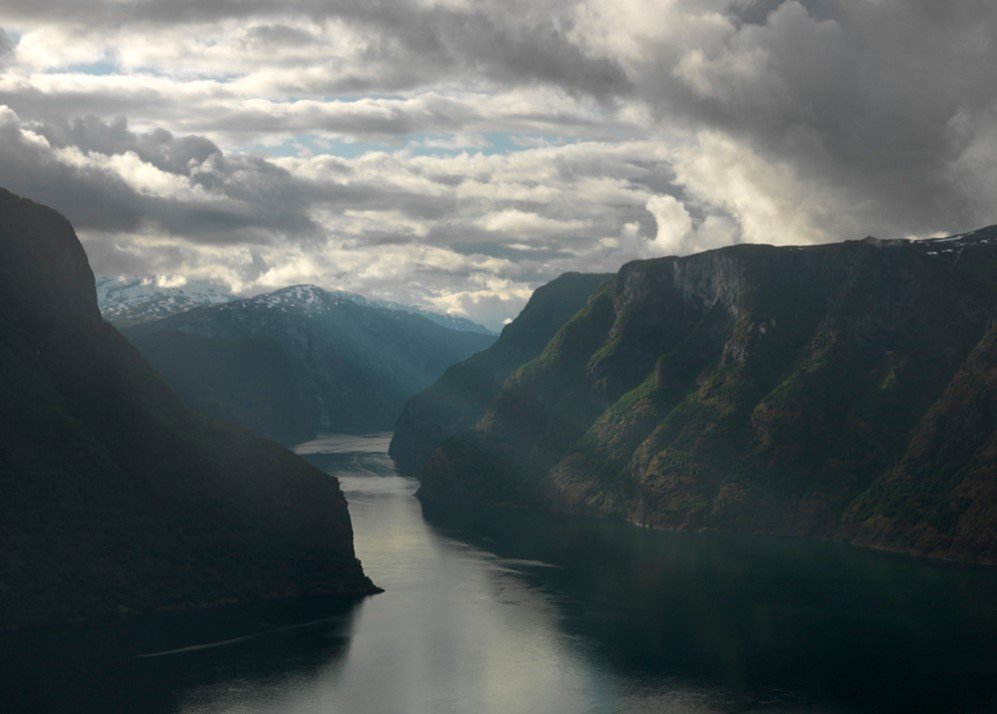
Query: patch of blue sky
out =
(417, 143)
(508, 142)
(489, 143)
(532, 141)
(102, 67)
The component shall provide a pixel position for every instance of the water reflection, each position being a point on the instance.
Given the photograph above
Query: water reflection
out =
(488, 611)
(457, 629)
(753, 623)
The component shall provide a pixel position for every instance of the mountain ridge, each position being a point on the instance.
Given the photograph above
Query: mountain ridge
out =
(458, 398)
(130, 301)
(750, 388)
(301, 360)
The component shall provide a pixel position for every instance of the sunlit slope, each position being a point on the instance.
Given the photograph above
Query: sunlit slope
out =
(841, 391)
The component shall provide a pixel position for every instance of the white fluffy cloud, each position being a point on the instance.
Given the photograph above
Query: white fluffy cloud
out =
(673, 225)
(456, 154)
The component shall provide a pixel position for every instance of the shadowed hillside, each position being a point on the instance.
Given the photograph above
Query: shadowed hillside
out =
(116, 498)
(301, 360)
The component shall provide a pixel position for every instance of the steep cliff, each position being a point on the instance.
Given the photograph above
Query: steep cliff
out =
(457, 400)
(114, 497)
(798, 391)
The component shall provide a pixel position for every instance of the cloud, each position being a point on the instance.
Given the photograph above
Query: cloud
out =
(378, 223)
(455, 154)
(673, 224)
(524, 223)
(6, 48)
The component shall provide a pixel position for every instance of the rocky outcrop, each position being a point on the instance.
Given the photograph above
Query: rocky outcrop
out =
(457, 400)
(794, 391)
(114, 497)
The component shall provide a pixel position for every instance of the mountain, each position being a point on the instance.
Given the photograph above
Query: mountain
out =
(115, 497)
(840, 391)
(301, 360)
(125, 301)
(973, 252)
(453, 322)
(458, 399)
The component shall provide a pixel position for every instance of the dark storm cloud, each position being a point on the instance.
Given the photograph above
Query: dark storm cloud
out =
(157, 147)
(6, 47)
(506, 42)
(657, 126)
(279, 36)
(249, 198)
(884, 98)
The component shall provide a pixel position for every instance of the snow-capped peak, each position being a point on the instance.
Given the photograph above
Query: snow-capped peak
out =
(312, 300)
(299, 298)
(131, 300)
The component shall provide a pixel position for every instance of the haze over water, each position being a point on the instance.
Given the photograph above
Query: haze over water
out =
(513, 612)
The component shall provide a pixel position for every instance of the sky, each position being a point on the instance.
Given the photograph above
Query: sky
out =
(456, 154)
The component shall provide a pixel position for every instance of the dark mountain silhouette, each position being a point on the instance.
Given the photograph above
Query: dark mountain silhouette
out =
(113, 496)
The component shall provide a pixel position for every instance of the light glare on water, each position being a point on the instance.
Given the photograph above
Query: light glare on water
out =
(503, 611)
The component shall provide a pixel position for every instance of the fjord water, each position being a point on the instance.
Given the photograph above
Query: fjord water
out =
(492, 611)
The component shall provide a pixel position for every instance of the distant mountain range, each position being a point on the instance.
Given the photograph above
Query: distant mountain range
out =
(844, 391)
(454, 322)
(128, 301)
(302, 360)
(115, 497)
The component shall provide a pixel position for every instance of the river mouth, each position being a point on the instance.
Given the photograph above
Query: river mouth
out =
(487, 611)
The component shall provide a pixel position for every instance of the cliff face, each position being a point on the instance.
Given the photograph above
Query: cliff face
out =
(457, 400)
(115, 498)
(798, 391)
(301, 360)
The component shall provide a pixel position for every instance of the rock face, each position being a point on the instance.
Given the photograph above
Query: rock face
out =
(113, 496)
(842, 391)
(301, 360)
(456, 401)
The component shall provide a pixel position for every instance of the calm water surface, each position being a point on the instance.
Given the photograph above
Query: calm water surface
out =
(509, 612)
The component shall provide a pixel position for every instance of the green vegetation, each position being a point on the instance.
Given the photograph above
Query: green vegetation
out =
(842, 391)
(456, 401)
